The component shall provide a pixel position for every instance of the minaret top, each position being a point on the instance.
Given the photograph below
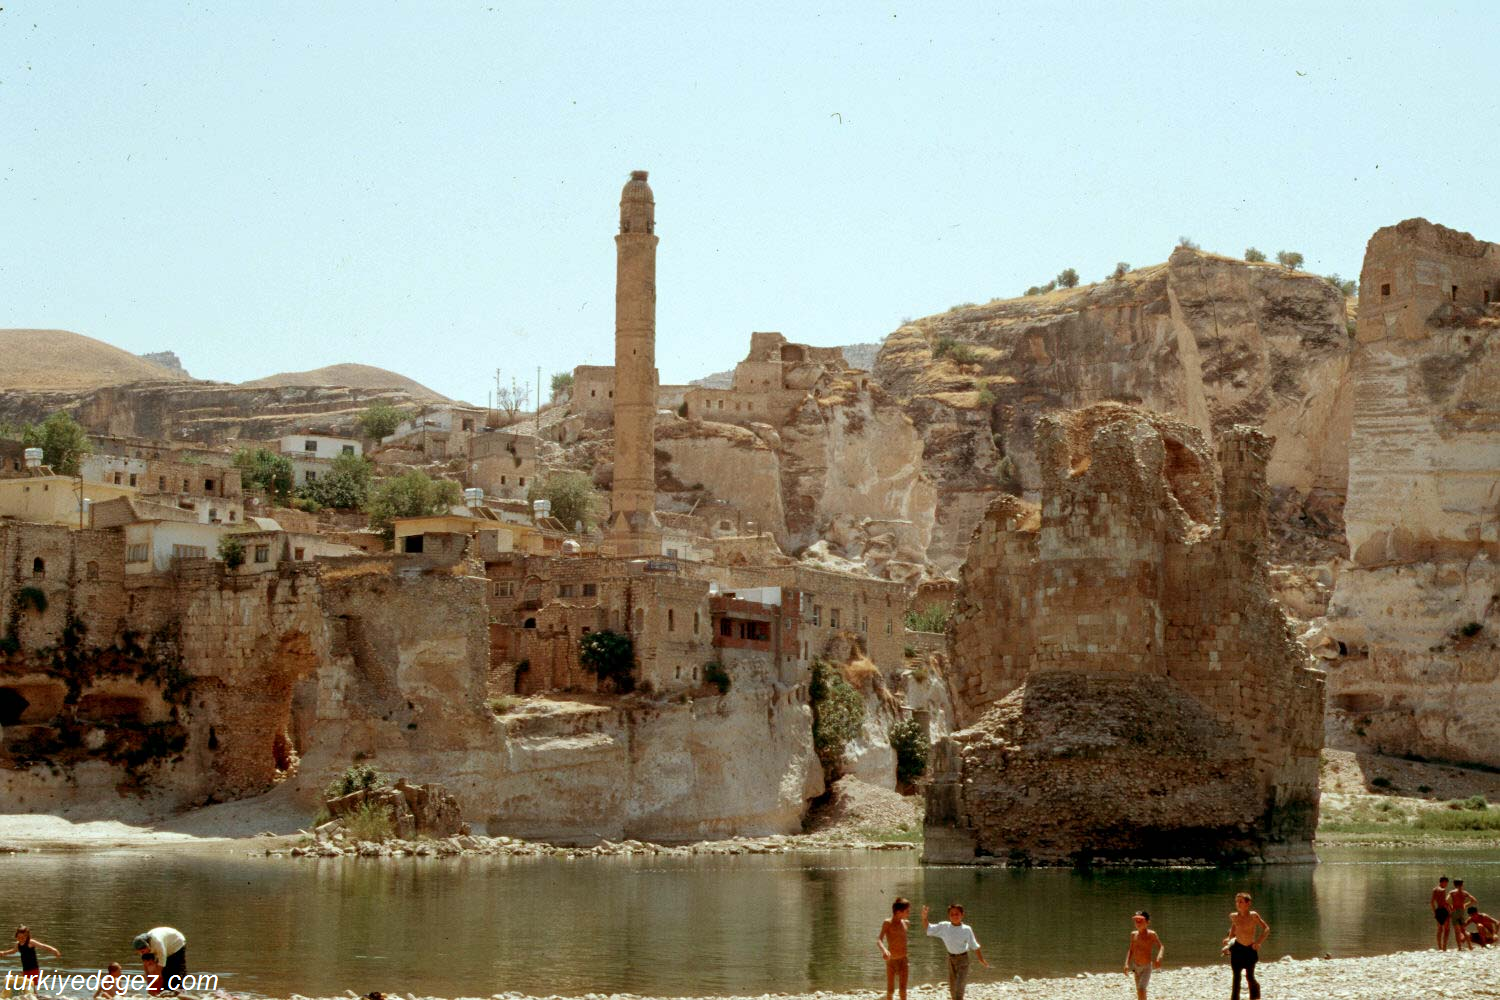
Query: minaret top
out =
(637, 206)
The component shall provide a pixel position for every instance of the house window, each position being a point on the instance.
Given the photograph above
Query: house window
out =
(185, 486)
(91, 572)
(523, 480)
(697, 619)
(833, 617)
(310, 477)
(299, 554)
(347, 449)
(565, 590)
(468, 426)
(1454, 295)
(137, 553)
(864, 624)
(671, 621)
(502, 480)
(262, 553)
(1385, 290)
(39, 567)
(726, 627)
(671, 553)
(309, 446)
(213, 515)
(231, 517)
(132, 479)
(817, 614)
(889, 628)
(590, 590)
(118, 479)
(161, 484)
(189, 552)
(208, 486)
(412, 543)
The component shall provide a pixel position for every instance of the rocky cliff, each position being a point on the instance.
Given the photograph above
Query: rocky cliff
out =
(1416, 613)
(1211, 340)
(209, 412)
(1127, 684)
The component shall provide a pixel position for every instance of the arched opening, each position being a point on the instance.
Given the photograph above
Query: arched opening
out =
(529, 623)
(281, 752)
(38, 567)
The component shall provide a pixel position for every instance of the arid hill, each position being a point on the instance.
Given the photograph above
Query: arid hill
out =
(352, 376)
(62, 360)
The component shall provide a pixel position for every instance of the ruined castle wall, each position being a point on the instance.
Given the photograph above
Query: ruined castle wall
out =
(1416, 612)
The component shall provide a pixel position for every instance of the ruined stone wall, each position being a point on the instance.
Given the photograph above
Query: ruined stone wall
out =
(1416, 612)
(1137, 575)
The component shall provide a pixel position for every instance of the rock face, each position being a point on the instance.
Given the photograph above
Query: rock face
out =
(1416, 612)
(208, 412)
(1129, 688)
(168, 360)
(1210, 340)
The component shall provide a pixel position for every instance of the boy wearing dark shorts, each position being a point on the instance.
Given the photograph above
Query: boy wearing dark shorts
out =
(1247, 932)
(1438, 902)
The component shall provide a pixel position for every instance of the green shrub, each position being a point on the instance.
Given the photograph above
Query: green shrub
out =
(838, 712)
(1347, 288)
(357, 777)
(1380, 782)
(1254, 256)
(414, 494)
(1476, 802)
(611, 657)
(379, 420)
(1289, 259)
(1462, 819)
(572, 495)
(1068, 278)
(1189, 242)
(909, 651)
(986, 394)
(1470, 630)
(909, 740)
(1121, 269)
(345, 486)
(959, 354)
(265, 470)
(232, 551)
(371, 821)
(62, 440)
(933, 618)
(715, 674)
(562, 383)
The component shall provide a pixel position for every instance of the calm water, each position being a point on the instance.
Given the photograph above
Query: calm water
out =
(682, 926)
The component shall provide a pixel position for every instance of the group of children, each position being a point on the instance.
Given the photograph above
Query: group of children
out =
(1456, 911)
(163, 952)
(1247, 932)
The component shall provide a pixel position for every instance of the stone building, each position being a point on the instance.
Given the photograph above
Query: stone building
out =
(1128, 687)
(1415, 614)
(769, 385)
(502, 463)
(633, 529)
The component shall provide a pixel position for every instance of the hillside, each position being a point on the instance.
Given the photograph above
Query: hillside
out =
(64, 361)
(353, 376)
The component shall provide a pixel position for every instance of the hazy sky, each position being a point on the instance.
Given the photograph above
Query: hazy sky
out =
(434, 187)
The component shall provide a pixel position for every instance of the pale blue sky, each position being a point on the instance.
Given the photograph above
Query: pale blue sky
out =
(433, 187)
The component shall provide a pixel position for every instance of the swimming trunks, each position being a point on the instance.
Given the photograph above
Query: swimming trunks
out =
(1441, 913)
(1142, 972)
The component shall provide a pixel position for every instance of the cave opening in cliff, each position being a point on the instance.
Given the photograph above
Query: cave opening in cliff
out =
(13, 706)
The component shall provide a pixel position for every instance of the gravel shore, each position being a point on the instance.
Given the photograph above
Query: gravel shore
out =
(1413, 975)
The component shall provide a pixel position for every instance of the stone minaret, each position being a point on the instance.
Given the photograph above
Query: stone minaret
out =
(633, 529)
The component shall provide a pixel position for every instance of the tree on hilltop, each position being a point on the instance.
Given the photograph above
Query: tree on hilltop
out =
(1188, 242)
(1068, 278)
(1289, 259)
(1254, 256)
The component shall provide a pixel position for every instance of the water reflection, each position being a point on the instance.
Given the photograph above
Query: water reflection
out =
(684, 926)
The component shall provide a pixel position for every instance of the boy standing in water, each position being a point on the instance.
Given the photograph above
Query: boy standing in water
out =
(1138, 960)
(26, 946)
(1247, 932)
(892, 941)
(958, 938)
(1439, 903)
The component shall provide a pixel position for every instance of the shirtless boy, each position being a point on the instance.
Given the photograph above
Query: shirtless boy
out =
(1439, 904)
(1486, 928)
(1247, 932)
(1459, 901)
(892, 941)
(1138, 960)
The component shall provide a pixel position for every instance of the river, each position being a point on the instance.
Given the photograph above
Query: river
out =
(685, 926)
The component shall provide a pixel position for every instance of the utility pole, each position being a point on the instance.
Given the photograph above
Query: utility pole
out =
(538, 401)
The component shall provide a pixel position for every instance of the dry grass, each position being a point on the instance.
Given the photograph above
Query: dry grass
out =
(60, 360)
(353, 376)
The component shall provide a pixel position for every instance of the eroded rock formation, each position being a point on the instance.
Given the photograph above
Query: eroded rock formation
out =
(1416, 612)
(1210, 340)
(1129, 689)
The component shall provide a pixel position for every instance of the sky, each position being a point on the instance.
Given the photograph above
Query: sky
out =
(433, 187)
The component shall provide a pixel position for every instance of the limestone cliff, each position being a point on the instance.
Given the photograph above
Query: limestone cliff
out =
(1128, 687)
(1211, 340)
(1416, 613)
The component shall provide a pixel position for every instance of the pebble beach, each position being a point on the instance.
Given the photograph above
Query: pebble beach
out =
(1412, 975)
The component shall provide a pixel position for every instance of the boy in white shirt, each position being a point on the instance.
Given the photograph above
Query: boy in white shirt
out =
(958, 938)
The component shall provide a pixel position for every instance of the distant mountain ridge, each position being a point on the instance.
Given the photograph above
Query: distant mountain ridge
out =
(67, 361)
(353, 376)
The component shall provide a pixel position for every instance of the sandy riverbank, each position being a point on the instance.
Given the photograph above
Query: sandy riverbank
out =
(1418, 975)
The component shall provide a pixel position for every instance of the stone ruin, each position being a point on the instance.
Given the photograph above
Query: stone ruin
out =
(416, 810)
(1128, 687)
